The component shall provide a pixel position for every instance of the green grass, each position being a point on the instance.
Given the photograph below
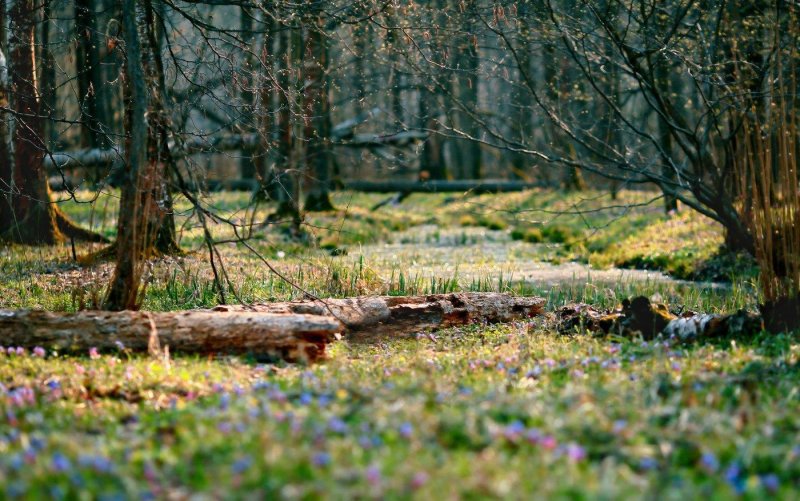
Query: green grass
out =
(482, 411)
(512, 411)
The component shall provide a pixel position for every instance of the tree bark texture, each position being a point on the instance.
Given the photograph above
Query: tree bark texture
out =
(138, 221)
(318, 120)
(294, 331)
(28, 215)
(287, 336)
(373, 317)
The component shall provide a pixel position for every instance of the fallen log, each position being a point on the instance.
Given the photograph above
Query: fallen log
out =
(372, 317)
(293, 331)
(292, 337)
(438, 186)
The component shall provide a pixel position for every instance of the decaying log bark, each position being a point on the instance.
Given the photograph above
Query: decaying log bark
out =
(372, 317)
(293, 331)
(293, 337)
(640, 317)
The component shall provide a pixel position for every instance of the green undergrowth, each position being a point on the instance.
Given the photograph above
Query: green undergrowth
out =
(541, 226)
(509, 411)
(482, 411)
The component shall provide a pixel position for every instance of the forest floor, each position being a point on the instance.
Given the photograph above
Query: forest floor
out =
(505, 411)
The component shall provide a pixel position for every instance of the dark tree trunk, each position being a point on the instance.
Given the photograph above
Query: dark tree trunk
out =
(252, 159)
(29, 217)
(469, 86)
(282, 184)
(141, 226)
(318, 122)
(47, 75)
(432, 164)
(520, 162)
(5, 131)
(91, 88)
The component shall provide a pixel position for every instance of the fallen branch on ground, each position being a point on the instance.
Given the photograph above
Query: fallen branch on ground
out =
(640, 317)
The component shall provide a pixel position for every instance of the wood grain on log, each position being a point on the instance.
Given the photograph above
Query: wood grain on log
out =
(393, 316)
(293, 337)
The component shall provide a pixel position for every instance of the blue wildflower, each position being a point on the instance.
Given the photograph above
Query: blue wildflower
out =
(336, 425)
(733, 475)
(321, 459)
(61, 463)
(770, 482)
(709, 462)
(241, 465)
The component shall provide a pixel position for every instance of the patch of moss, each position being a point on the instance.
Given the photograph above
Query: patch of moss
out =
(530, 235)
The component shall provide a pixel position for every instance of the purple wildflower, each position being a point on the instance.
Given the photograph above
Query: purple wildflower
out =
(533, 435)
(419, 479)
(514, 431)
(39, 352)
(648, 464)
(20, 351)
(93, 353)
(336, 425)
(548, 442)
(406, 430)
(575, 452)
(373, 475)
(619, 426)
(11, 351)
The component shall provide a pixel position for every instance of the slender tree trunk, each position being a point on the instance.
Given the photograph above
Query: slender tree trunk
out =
(248, 163)
(266, 91)
(47, 75)
(5, 129)
(141, 214)
(468, 90)
(282, 185)
(318, 120)
(520, 162)
(432, 164)
(91, 88)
